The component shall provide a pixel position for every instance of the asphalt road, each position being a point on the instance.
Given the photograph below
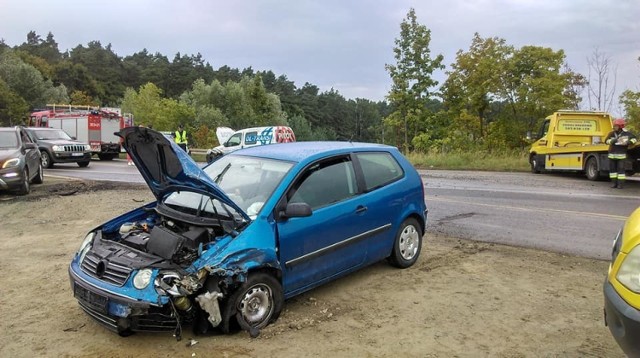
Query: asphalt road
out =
(561, 213)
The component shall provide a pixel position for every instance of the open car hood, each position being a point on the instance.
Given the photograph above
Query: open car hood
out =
(167, 168)
(223, 134)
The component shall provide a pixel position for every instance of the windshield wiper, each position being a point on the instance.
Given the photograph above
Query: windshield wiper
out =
(218, 177)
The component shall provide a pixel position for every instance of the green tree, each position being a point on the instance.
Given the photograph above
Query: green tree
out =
(23, 79)
(411, 76)
(534, 85)
(475, 78)
(76, 77)
(630, 100)
(46, 49)
(104, 66)
(13, 108)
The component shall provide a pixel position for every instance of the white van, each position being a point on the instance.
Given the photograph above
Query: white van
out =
(250, 137)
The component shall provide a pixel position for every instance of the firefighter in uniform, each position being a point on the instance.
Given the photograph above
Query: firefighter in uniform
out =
(619, 141)
(181, 137)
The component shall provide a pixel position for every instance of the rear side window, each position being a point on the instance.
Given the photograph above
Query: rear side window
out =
(250, 138)
(379, 169)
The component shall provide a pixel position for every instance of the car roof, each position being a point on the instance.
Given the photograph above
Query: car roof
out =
(298, 151)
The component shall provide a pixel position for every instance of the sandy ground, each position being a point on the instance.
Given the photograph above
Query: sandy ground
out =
(461, 299)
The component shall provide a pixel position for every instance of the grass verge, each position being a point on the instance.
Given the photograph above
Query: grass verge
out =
(505, 162)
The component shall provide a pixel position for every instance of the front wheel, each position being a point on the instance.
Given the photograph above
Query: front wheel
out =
(39, 178)
(591, 169)
(257, 302)
(535, 164)
(46, 160)
(84, 164)
(407, 245)
(25, 188)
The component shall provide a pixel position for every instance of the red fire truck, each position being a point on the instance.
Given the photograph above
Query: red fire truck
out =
(92, 125)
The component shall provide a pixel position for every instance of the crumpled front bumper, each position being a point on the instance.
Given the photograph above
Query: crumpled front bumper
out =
(119, 313)
(623, 321)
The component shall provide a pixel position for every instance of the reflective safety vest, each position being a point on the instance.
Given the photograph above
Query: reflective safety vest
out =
(181, 138)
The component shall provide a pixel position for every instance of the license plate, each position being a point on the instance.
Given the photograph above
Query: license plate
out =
(93, 300)
(77, 154)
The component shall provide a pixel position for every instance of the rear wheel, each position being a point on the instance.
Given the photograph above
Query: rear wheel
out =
(407, 245)
(591, 170)
(46, 160)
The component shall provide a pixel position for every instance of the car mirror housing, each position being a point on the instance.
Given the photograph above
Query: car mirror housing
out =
(296, 210)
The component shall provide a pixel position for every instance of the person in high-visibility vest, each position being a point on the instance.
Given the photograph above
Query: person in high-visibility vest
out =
(619, 140)
(181, 137)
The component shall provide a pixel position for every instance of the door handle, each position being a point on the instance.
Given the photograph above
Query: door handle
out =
(361, 209)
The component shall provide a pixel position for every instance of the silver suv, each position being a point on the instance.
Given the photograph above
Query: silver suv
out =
(56, 146)
(20, 163)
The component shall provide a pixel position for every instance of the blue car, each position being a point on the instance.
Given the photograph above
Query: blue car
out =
(224, 246)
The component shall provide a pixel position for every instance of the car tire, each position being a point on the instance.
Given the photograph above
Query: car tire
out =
(84, 164)
(25, 188)
(407, 245)
(106, 157)
(257, 302)
(46, 160)
(39, 178)
(591, 170)
(536, 167)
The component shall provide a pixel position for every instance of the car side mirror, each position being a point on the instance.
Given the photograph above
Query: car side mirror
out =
(74, 138)
(296, 210)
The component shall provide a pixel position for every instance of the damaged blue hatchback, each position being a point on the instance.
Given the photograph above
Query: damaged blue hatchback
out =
(224, 246)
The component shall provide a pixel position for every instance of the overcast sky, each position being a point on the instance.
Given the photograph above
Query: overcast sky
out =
(342, 44)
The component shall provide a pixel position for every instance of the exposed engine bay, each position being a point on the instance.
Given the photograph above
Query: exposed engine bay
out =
(176, 242)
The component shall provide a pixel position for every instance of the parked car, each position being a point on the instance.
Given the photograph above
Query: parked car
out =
(622, 287)
(20, 163)
(231, 140)
(56, 146)
(224, 246)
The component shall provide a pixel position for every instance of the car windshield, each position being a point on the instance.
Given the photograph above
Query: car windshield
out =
(8, 139)
(248, 181)
(51, 134)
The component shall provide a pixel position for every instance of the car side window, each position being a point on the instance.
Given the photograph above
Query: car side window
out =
(325, 183)
(25, 137)
(379, 169)
(251, 138)
(234, 140)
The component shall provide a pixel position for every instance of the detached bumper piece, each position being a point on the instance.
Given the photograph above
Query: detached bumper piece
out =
(623, 321)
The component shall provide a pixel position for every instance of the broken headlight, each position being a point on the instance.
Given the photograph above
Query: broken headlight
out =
(629, 271)
(142, 279)
(86, 246)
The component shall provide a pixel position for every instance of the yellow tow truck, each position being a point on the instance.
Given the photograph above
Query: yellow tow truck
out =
(574, 141)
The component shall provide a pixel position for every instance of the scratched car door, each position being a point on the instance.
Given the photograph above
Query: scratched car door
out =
(318, 247)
